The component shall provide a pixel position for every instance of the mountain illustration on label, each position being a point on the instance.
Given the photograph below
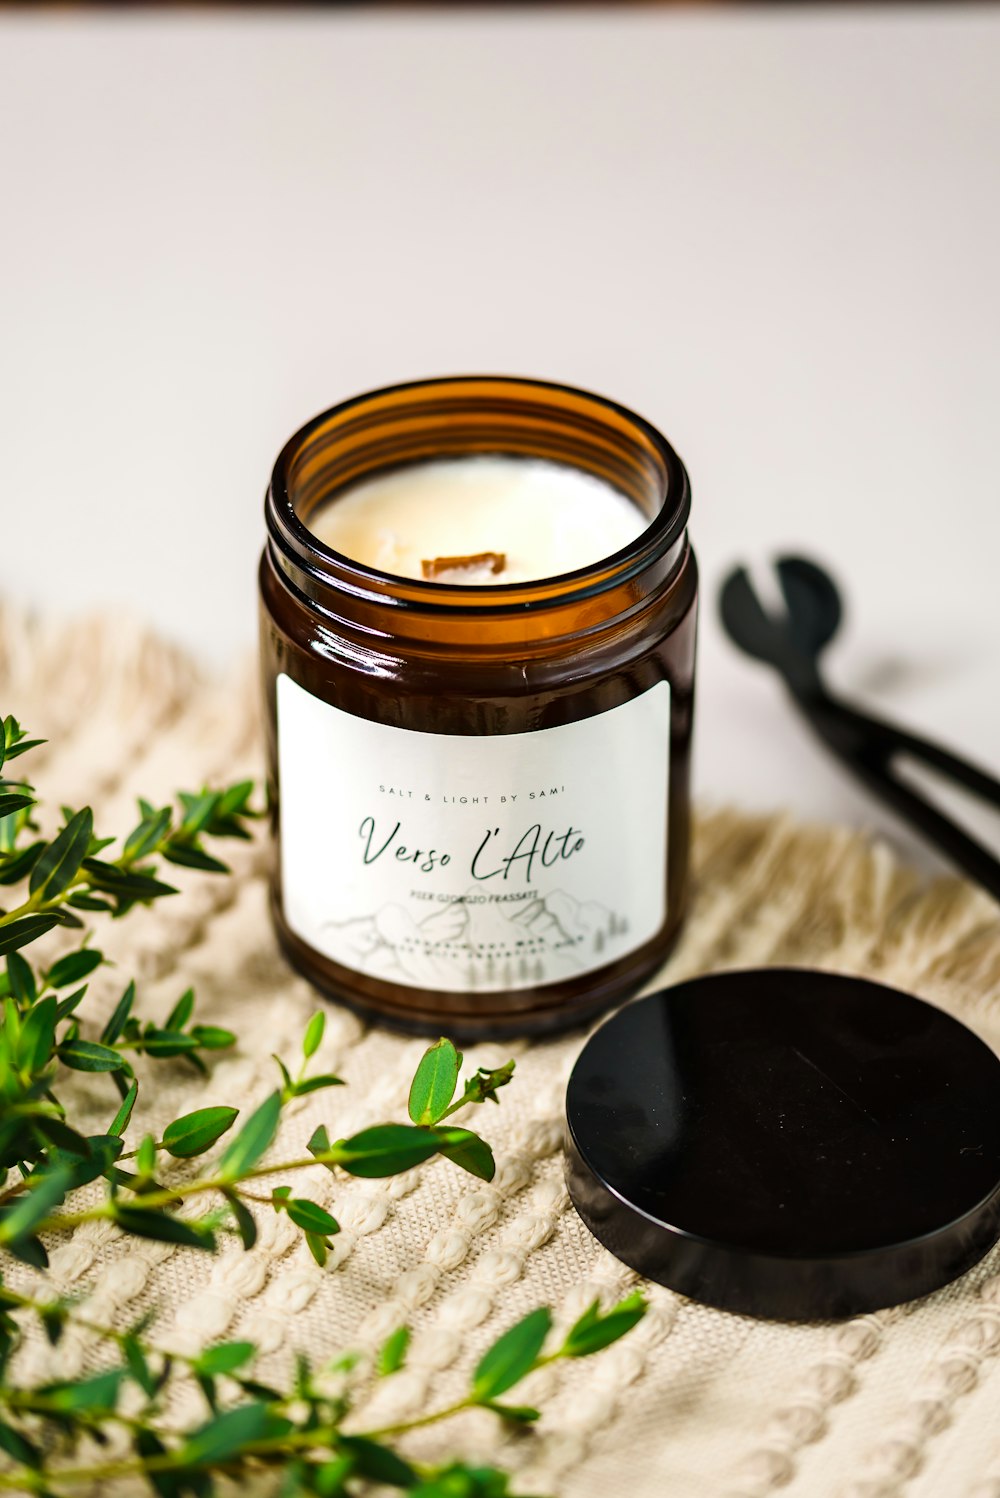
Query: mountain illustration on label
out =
(544, 939)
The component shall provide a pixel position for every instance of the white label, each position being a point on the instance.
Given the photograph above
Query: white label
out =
(472, 863)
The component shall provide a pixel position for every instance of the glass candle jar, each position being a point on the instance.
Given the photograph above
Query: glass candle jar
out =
(480, 793)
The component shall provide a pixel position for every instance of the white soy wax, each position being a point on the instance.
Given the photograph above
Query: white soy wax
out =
(542, 519)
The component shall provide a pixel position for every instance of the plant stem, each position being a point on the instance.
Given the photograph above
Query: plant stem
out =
(420, 1421)
(273, 1448)
(33, 905)
(270, 1451)
(29, 907)
(60, 1222)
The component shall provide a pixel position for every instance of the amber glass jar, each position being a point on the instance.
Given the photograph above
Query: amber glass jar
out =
(480, 793)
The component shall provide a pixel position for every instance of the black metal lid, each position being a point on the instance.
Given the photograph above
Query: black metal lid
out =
(787, 1143)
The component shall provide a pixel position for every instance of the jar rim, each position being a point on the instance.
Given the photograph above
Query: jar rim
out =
(318, 564)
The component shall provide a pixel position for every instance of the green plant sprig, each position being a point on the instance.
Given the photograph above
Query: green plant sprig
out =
(40, 1037)
(300, 1430)
(65, 875)
(139, 1202)
(305, 1432)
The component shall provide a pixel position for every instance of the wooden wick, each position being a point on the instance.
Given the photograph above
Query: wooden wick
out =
(496, 561)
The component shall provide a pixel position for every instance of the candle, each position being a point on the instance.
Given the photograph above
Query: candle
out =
(479, 793)
(480, 520)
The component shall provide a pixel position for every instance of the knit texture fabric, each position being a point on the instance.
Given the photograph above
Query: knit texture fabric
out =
(695, 1403)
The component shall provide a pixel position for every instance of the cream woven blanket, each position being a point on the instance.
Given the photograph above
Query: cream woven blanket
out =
(695, 1403)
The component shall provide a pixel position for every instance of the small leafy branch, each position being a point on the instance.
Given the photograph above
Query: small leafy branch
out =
(305, 1433)
(52, 881)
(40, 1036)
(139, 1200)
(302, 1431)
(66, 875)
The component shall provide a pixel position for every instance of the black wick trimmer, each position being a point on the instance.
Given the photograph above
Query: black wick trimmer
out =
(793, 644)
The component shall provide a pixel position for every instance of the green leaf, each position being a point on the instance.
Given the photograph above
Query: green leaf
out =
(121, 1118)
(164, 1043)
(594, 1331)
(316, 1244)
(314, 1034)
(145, 1155)
(34, 1045)
(224, 1357)
(10, 1016)
(385, 1150)
(319, 1144)
(512, 1356)
(467, 1150)
(392, 1353)
(21, 979)
(120, 1081)
(19, 1447)
(189, 857)
(140, 1370)
(245, 1223)
(315, 1084)
(67, 1005)
(164, 1484)
(11, 802)
(60, 863)
(116, 1024)
(212, 1037)
(311, 1218)
(181, 1012)
(30, 1250)
(518, 1414)
(65, 1139)
(252, 1141)
(150, 831)
(63, 916)
(87, 1055)
(329, 1479)
(20, 745)
(17, 866)
(146, 1222)
(434, 1082)
(28, 929)
(100, 1151)
(207, 1387)
(10, 830)
(377, 1462)
(227, 1435)
(234, 799)
(73, 967)
(97, 1393)
(198, 809)
(21, 1218)
(53, 1324)
(132, 886)
(196, 1132)
(81, 901)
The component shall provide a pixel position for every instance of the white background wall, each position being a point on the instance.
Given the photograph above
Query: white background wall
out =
(776, 234)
